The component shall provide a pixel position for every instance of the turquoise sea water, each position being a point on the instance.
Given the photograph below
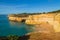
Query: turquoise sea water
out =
(13, 28)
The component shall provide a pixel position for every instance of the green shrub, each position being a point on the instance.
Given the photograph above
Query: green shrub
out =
(12, 37)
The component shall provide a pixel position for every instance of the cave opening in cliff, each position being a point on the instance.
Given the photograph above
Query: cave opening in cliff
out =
(23, 20)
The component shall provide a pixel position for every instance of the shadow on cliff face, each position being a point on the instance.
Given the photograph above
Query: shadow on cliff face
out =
(23, 20)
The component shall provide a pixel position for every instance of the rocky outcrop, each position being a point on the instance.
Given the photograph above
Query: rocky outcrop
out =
(50, 18)
(17, 18)
(42, 18)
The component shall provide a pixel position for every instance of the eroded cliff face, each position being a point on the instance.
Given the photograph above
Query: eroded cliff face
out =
(52, 19)
(16, 18)
(38, 19)
(43, 20)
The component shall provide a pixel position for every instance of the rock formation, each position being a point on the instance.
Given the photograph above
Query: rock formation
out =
(52, 19)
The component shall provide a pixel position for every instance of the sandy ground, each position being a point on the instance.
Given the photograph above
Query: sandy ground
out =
(44, 36)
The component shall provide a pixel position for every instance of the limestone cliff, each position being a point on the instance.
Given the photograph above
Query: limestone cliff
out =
(50, 18)
(17, 18)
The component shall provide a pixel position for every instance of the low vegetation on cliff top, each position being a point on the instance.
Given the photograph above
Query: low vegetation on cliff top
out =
(27, 14)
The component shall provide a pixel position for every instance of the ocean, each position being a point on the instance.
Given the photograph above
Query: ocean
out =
(13, 28)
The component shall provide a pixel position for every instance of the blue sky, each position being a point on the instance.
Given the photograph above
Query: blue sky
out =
(28, 6)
